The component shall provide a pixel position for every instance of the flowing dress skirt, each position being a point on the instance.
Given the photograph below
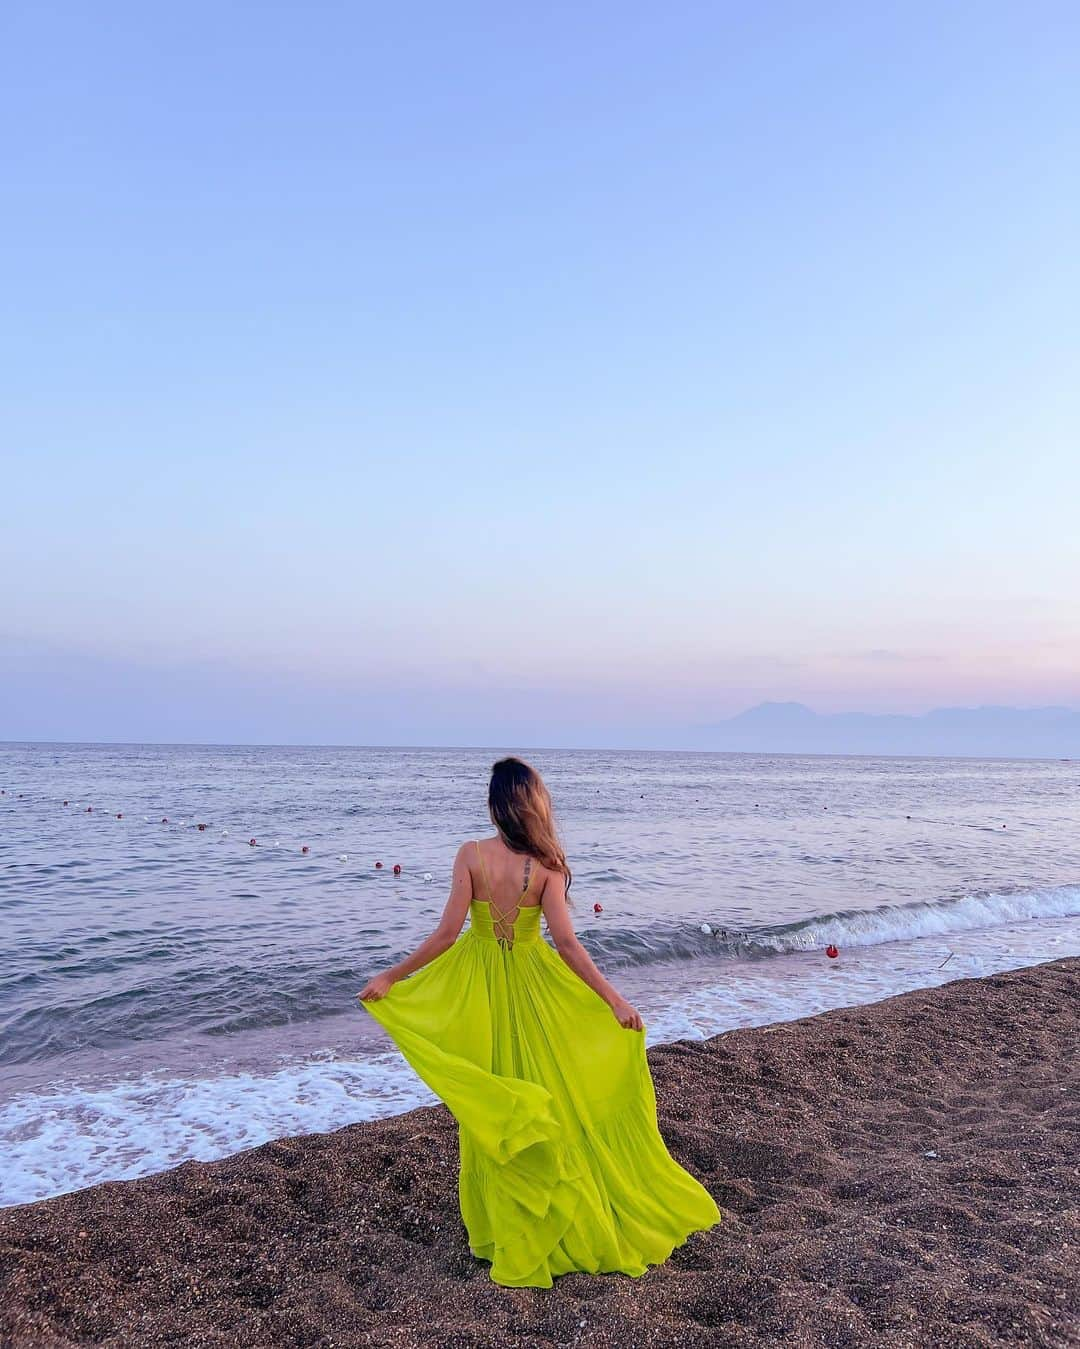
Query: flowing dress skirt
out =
(562, 1166)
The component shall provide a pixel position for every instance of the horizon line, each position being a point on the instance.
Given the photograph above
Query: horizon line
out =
(542, 749)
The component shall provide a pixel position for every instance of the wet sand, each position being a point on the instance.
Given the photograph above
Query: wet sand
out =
(902, 1174)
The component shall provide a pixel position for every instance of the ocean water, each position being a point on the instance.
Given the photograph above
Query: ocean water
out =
(170, 992)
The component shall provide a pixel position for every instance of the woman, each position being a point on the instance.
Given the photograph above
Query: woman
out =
(541, 1062)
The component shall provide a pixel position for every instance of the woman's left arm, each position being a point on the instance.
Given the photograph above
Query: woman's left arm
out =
(444, 936)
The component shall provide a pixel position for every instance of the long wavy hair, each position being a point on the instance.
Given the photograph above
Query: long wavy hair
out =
(520, 808)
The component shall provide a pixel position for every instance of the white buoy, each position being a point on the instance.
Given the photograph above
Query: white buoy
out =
(706, 929)
(343, 857)
(224, 833)
(428, 876)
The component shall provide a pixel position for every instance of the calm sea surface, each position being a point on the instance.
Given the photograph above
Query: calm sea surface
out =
(169, 992)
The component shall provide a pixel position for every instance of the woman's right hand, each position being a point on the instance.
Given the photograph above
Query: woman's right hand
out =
(377, 988)
(627, 1015)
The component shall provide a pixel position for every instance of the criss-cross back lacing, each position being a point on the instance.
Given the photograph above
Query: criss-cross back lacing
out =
(502, 922)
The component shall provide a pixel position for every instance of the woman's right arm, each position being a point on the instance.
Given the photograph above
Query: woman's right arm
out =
(561, 927)
(444, 936)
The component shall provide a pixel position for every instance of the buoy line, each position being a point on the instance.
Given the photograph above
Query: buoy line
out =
(194, 826)
(304, 850)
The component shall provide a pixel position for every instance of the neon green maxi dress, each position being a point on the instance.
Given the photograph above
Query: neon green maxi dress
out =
(562, 1166)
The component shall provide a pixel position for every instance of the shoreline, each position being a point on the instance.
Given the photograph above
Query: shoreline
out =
(903, 1172)
(61, 1132)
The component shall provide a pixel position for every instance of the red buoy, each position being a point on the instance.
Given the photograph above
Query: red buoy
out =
(251, 843)
(119, 815)
(164, 819)
(598, 908)
(65, 803)
(397, 868)
(378, 866)
(831, 952)
(89, 810)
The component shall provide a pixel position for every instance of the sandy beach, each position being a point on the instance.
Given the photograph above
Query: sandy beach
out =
(905, 1173)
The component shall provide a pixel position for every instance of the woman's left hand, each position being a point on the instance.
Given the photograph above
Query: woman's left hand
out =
(376, 988)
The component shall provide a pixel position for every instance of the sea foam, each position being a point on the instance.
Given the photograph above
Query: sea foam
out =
(73, 1135)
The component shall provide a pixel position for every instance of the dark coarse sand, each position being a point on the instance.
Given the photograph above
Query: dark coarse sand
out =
(904, 1174)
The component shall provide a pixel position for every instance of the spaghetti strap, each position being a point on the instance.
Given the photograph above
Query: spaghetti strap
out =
(483, 869)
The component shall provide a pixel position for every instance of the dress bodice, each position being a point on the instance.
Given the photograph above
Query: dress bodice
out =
(526, 924)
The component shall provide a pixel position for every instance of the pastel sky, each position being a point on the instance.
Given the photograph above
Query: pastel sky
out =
(430, 373)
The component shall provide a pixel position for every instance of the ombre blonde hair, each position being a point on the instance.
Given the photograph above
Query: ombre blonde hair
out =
(520, 808)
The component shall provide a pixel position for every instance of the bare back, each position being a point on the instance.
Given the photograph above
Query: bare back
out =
(504, 876)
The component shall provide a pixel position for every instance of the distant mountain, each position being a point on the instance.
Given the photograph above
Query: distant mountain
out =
(993, 732)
